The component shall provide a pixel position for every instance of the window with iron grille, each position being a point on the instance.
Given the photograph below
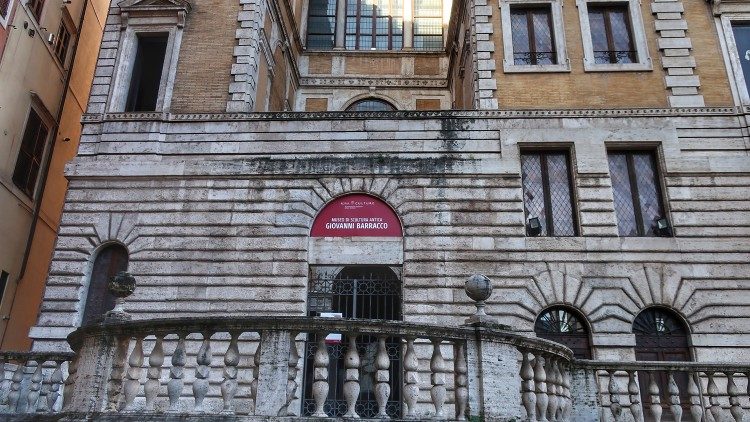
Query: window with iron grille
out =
(741, 32)
(63, 42)
(371, 104)
(30, 155)
(637, 195)
(321, 24)
(547, 191)
(374, 24)
(611, 33)
(428, 24)
(533, 35)
(5, 8)
(36, 7)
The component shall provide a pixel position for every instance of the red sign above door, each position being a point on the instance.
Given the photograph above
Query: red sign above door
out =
(356, 215)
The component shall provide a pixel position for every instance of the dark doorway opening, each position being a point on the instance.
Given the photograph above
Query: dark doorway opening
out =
(565, 326)
(356, 292)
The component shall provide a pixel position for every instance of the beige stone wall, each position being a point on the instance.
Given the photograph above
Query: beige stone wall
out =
(204, 68)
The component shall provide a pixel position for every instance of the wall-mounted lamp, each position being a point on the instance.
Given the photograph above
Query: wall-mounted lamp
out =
(663, 228)
(533, 226)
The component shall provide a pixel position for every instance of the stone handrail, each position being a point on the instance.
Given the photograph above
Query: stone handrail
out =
(712, 389)
(117, 352)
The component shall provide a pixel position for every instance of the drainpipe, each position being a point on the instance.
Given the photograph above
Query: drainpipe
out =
(47, 161)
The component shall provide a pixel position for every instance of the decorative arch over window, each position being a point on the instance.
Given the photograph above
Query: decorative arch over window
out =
(371, 104)
(110, 260)
(566, 326)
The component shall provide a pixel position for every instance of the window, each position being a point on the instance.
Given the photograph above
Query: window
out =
(547, 192)
(3, 283)
(533, 37)
(30, 155)
(428, 24)
(5, 9)
(636, 191)
(611, 34)
(109, 261)
(371, 104)
(374, 24)
(36, 7)
(741, 32)
(63, 42)
(145, 81)
(566, 327)
(321, 24)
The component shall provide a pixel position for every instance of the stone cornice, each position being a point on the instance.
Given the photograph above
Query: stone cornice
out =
(405, 115)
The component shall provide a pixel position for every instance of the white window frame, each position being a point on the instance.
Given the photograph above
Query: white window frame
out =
(638, 32)
(4, 20)
(135, 23)
(563, 62)
(732, 55)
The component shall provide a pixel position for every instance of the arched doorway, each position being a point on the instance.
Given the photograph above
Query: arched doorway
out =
(355, 256)
(661, 335)
(567, 327)
(110, 260)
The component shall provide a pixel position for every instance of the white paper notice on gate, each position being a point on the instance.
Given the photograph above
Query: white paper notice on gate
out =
(333, 338)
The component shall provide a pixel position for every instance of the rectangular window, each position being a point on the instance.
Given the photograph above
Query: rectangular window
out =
(611, 34)
(321, 24)
(147, 69)
(3, 282)
(635, 186)
(30, 155)
(4, 8)
(374, 25)
(533, 35)
(741, 31)
(547, 191)
(63, 42)
(36, 7)
(428, 24)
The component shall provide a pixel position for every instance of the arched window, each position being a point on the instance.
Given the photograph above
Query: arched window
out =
(109, 261)
(661, 335)
(371, 104)
(567, 327)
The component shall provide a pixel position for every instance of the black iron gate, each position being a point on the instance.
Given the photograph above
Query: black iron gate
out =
(367, 292)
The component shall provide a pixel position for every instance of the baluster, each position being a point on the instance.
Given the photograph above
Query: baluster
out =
(15, 389)
(155, 362)
(553, 403)
(528, 398)
(383, 376)
(713, 397)
(229, 385)
(55, 383)
(70, 381)
(636, 407)
(291, 384)
(4, 383)
(540, 378)
(133, 374)
(653, 391)
(256, 373)
(696, 404)
(115, 385)
(674, 398)
(461, 381)
(202, 372)
(614, 395)
(351, 380)
(566, 392)
(734, 397)
(411, 379)
(176, 374)
(35, 388)
(320, 375)
(437, 366)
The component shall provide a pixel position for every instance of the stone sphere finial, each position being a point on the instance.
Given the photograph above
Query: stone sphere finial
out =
(121, 285)
(479, 288)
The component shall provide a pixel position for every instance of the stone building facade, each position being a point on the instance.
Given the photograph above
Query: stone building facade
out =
(212, 188)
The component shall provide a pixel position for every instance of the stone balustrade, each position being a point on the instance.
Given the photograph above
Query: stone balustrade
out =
(669, 391)
(32, 382)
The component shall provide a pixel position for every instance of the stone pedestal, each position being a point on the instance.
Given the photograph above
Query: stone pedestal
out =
(493, 373)
(583, 389)
(273, 373)
(85, 390)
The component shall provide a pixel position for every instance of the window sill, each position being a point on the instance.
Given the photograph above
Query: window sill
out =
(545, 68)
(617, 67)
